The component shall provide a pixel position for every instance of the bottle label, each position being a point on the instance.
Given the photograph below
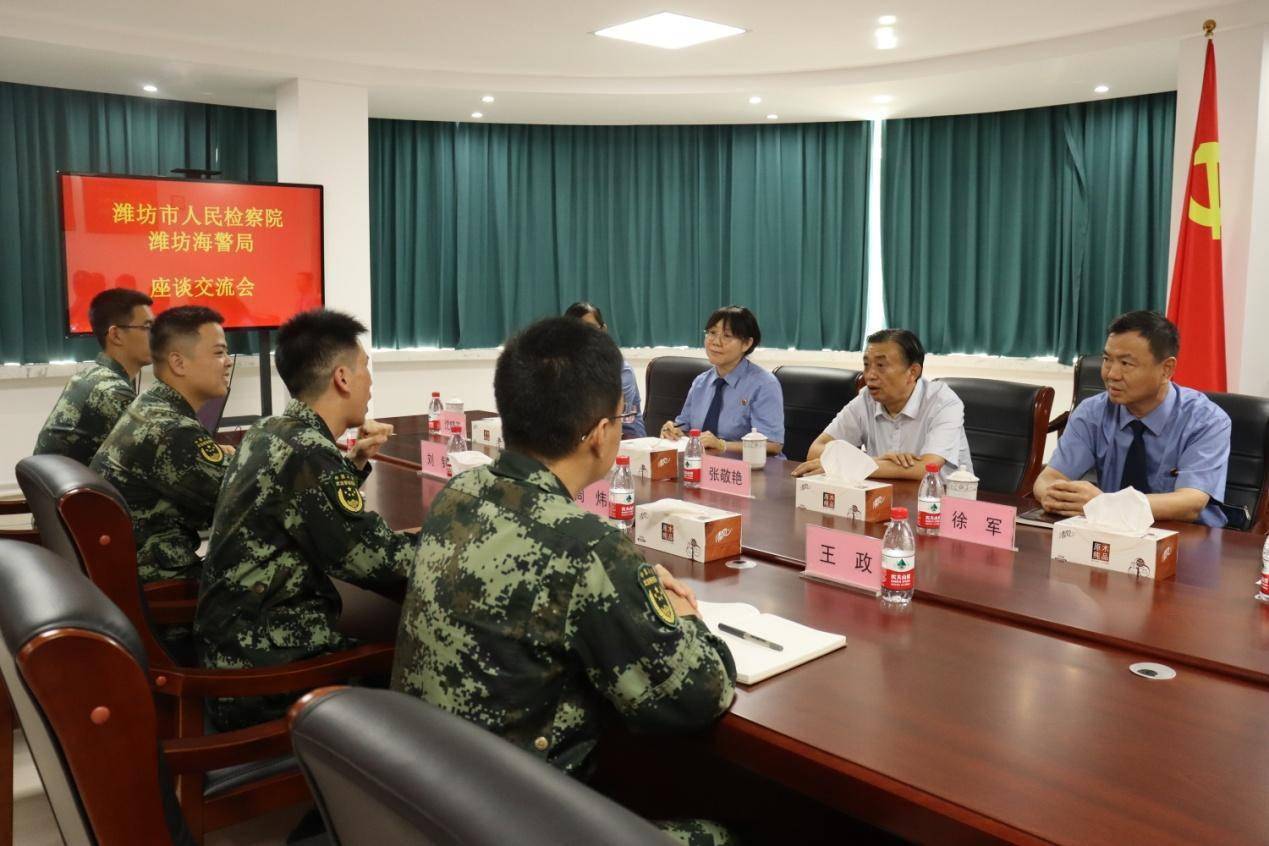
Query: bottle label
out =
(691, 469)
(621, 505)
(928, 516)
(1264, 580)
(898, 572)
(434, 422)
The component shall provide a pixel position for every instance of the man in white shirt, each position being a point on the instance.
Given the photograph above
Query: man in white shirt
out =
(903, 420)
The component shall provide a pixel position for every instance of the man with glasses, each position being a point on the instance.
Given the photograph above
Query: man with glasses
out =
(95, 398)
(533, 618)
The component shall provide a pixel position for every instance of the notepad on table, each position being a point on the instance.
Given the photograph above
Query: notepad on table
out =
(755, 662)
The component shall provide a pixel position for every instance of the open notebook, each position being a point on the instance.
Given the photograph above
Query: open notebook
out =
(754, 662)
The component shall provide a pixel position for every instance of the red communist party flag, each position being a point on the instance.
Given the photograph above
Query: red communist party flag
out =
(1197, 302)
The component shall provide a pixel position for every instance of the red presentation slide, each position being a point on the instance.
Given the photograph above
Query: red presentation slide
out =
(253, 252)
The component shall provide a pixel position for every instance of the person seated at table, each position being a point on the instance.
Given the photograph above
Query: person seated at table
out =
(533, 618)
(903, 420)
(95, 398)
(735, 395)
(167, 467)
(632, 427)
(290, 517)
(1169, 442)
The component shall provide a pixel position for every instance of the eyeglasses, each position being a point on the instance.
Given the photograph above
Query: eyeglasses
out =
(145, 326)
(720, 336)
(624, 417)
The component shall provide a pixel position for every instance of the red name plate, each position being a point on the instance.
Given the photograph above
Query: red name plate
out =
(978, 522)
(594, 498)
(726, 475)
(844, 557)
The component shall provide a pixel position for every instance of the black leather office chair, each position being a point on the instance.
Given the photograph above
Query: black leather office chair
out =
(812, 398)
(76, 672)
(389, 768)
(1247, 481)
(669, 378)
(1005, 425)
(1087, 382)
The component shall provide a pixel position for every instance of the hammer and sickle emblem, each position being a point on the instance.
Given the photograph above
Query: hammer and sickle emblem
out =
(1208, 154)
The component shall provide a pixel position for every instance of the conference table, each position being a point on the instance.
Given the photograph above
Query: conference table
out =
(998, 707)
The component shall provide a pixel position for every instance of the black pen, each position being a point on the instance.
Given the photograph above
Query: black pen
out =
(752, 638)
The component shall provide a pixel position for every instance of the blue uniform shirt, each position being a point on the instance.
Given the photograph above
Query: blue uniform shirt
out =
(630, 391)
(752, 399)
(1186, 438)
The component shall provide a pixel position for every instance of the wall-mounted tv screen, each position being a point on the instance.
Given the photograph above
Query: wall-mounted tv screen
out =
(251, 251)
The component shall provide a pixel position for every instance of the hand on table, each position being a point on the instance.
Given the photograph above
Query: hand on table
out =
(809, 468)
(681, 596)
(370, 436)
(1068, 498)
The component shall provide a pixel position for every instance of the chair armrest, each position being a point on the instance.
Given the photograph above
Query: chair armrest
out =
(14, 506)
(228, 748)
(27, 535)
(172, 611)
(171, 589)
(369, 660)
(1058, 424)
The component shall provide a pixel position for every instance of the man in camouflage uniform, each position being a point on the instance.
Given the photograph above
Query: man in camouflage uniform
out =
(95, 398)
(290, 516)
(526, 614)
(164, 463)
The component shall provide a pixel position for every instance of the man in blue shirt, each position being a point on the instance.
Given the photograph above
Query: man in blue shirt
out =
(1170, 443)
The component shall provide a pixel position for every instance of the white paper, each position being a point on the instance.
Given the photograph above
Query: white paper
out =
(755, 662)
(466, 460)
(663, 508)
(1126, 511)
(845, 462)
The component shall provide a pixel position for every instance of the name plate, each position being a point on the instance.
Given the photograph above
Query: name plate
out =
(726, 475)
(843, 557)
(434, 461)
(450, 419)
(978, 522)
(594, 498)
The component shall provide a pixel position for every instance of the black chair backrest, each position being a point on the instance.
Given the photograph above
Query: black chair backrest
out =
(76, 672)
(389, 768)
(1005, 425)
(1246, 479)
(1088, 378)
(668, 380)
(812, 398)
(45, 480)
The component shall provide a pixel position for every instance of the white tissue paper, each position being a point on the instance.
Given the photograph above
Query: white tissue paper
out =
(844, 489)
(466, 460)
(843, 461)
(1117, 532)
(1126, 511)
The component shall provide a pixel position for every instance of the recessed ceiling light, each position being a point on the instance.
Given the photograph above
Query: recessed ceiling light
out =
(477, 115)
(887, 20)
(882, 98)
(1101, 89)
(488, 98)
(150, 89)
(885, 38)
(669, 30)
(773, 117)
(755, 100)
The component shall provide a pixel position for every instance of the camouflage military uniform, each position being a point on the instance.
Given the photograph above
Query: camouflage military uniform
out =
(168, 469)
(525, 613)
(92, 402)
(289, 517)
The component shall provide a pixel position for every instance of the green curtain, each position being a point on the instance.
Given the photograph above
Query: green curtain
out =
(44, 130)
(479, 229)
(1024, 233)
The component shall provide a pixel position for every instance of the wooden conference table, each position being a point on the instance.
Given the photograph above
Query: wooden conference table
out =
(999, 706)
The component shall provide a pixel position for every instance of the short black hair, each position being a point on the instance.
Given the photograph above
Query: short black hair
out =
(1161, 333)
(739, 321)
(582, 308)
(553, 382)
(113, 307)
(913, 351)
(179, 322)
(309, 345)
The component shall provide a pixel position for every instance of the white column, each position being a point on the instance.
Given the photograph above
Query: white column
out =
(1242, 84)
(324, 139)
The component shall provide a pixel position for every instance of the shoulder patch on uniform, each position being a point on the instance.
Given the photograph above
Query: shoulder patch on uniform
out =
(657, 600)
(209, 450)
(345, 491)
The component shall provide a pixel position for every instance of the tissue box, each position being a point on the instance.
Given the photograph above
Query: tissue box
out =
(651, 458)
(488, 432)
(1152, 555)
(467, 460)
(866, 500)
(707, 534)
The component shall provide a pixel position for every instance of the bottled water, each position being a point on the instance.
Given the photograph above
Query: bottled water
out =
(457, 443)
(930, 501)
(692, 461)
(621, 495)
(434, 409)
(898, 560)
(1263, 594)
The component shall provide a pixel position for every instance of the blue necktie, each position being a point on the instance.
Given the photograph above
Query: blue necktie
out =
(1136, 473)
(715, 407)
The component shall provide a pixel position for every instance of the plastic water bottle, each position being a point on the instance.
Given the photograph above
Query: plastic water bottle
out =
(692, 460)
(898, 560)
(457, 443)
(434, 409)
(1263, 595)
(930, 501)
(621, 495)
